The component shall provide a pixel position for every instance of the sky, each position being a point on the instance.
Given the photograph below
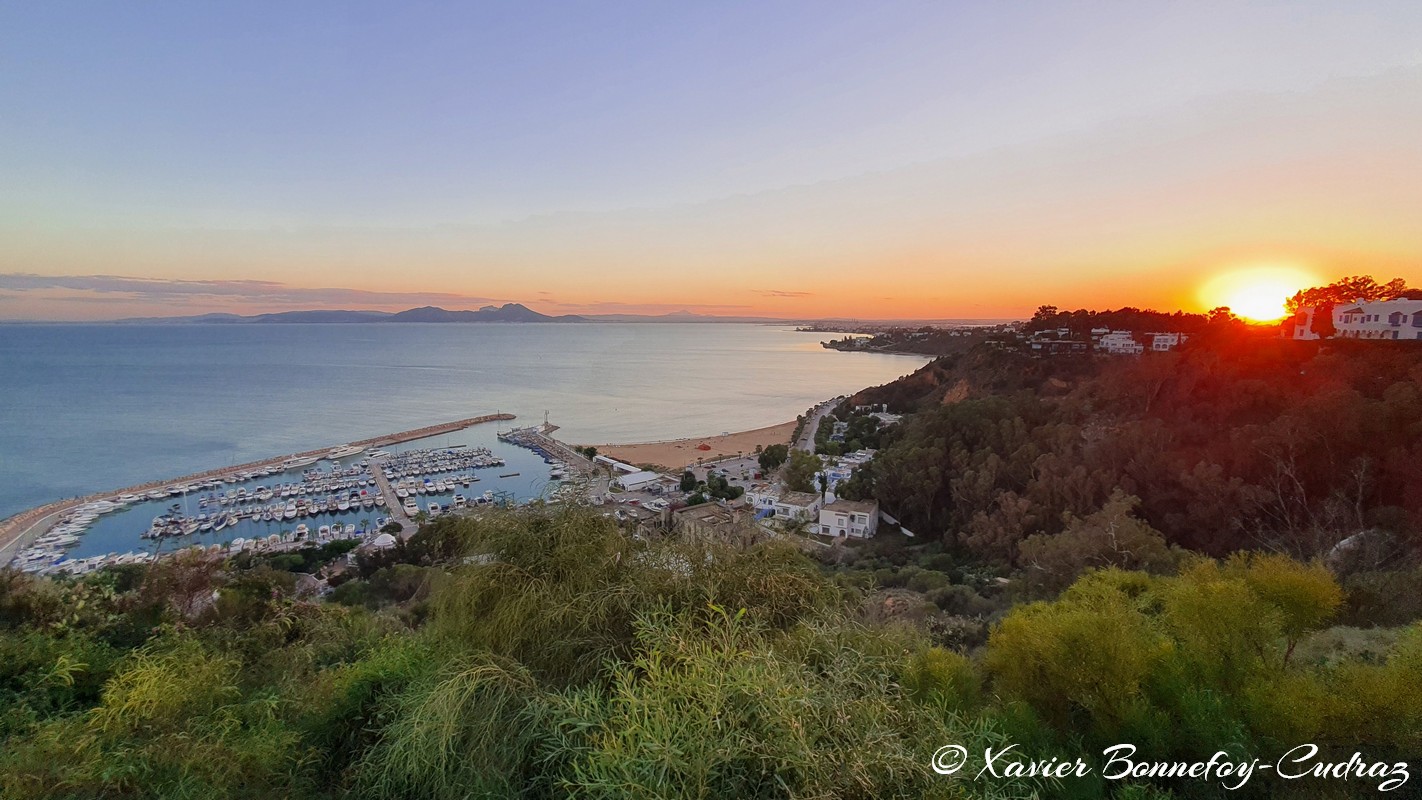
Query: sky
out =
(817, 159)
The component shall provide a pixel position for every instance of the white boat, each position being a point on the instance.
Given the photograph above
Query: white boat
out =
(459, 501)
(410, 508)
(324, 531)
(290, 511)
(349, 530)
(302, 530)
(298, 462)
(344, 504)
(435, 510)
(346, 451)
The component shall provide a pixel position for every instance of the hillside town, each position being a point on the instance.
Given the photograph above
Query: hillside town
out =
(778, 491)
(747, 497)
(1133, 332)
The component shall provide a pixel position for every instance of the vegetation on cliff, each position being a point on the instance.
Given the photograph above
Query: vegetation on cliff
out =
(544, 653)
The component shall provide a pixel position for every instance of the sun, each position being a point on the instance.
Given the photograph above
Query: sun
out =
(1256, 293)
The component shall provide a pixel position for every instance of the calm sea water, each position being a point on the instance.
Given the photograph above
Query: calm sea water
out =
(95, 407)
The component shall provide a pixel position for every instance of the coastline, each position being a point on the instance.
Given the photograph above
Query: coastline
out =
(675, 454)
(16, 531)
(670, 455)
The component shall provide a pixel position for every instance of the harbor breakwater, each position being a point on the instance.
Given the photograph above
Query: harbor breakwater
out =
(18, 529)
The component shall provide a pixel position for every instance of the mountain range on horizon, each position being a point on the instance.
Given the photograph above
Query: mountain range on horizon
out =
(508, 312)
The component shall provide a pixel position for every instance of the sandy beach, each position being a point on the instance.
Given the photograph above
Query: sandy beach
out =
(674, 454)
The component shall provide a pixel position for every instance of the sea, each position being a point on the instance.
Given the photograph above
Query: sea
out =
(91, 408)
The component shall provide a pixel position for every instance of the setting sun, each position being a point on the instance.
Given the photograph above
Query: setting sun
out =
(1256, 294)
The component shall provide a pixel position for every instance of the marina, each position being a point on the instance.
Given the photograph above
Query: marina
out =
(345, 492)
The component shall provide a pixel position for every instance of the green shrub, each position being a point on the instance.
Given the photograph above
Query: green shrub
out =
(942, 676)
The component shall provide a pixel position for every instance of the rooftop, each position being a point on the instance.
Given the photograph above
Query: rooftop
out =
(854, 506)
(706, 512)
(642, 476)
(798, 498)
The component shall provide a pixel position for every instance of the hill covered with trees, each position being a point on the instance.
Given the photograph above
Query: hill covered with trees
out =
(1229, 443)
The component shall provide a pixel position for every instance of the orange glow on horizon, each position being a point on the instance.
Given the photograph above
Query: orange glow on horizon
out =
(1256, 293)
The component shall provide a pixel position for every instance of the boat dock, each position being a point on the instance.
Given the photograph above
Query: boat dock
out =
(393, 508)
(20, 528)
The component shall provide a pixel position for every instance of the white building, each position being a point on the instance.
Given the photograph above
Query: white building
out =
(1120, 343)
(1161, 342)
(637, 481)
(784, 505)
(841, 468)
(1382, 319)
(1124, 343)
(615, 464)
(858, 519)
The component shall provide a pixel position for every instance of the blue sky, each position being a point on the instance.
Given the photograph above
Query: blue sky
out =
(247, 130)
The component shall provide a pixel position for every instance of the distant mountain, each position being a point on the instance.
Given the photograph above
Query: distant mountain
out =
(513, 312)
(508, 312)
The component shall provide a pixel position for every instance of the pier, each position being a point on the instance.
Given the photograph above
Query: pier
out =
(22, 527)
(393, 508)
